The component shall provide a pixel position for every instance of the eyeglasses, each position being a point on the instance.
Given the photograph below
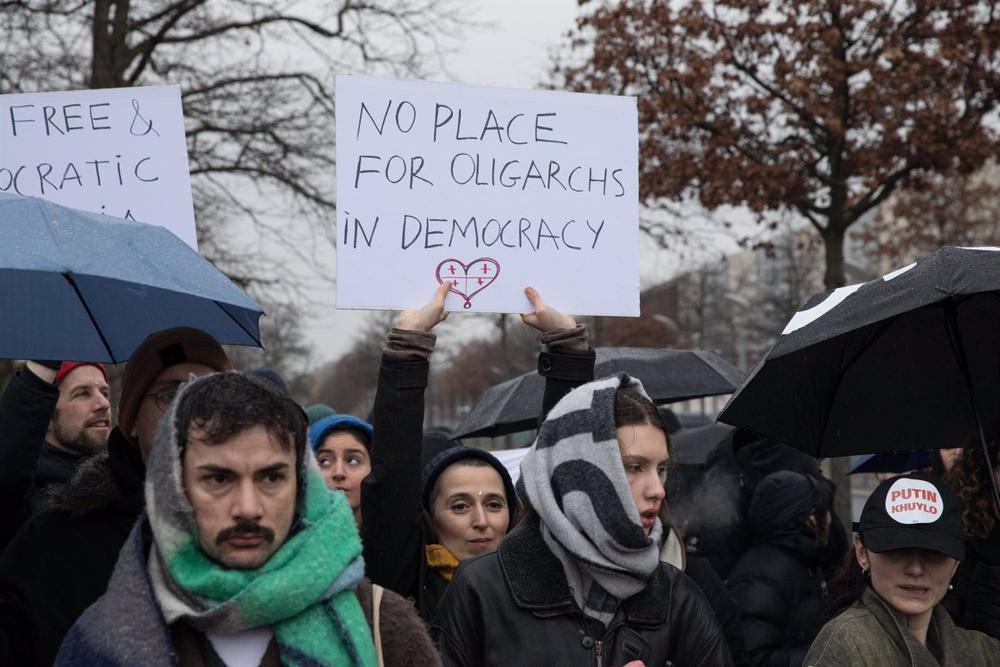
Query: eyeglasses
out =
(164, 397)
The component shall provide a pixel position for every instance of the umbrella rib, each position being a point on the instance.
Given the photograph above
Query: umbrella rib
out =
(872, 338)
(240, 324)
(93, 321)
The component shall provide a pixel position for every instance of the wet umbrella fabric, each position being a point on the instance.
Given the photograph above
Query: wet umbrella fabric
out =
(667, 375)
(892, 362)
(77, 285)
(896, 461)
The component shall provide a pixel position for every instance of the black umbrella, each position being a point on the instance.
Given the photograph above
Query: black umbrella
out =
(907, 361)
(667, 375)
(691, 446)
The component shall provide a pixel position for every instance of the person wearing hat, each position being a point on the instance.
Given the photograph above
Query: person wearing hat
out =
(60, 561)
(579, 580)
(907, 547)
(53, 415)
(413, 538)
(469, 504)
(342, 445)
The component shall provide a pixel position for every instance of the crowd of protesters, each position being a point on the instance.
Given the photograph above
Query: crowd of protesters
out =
(220, 523)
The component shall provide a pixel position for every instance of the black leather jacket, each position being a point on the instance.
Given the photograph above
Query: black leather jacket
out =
(514, 607)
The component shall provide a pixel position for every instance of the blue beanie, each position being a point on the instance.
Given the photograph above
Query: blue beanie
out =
(319, 429)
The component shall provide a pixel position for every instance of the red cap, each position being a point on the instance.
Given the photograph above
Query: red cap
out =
(68, 367)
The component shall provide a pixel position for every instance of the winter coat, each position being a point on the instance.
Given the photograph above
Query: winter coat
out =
(393, 530)
(778, 583)
(60, 561)
(130, 603)
(700, 571)
(869, 634)
(974, 603)
(30, 464)
(514, 607)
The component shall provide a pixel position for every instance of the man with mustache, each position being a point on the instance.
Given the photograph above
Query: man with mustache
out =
(243, 557)
(52, 416)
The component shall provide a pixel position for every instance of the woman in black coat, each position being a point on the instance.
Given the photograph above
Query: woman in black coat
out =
(579, 580)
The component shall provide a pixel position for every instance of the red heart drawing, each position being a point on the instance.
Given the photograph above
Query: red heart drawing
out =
(468, 280)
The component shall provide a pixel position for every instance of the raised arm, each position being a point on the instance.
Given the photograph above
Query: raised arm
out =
(390, 496)
(25, 410)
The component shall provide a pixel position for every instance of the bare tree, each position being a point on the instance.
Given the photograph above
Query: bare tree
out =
(256, 79)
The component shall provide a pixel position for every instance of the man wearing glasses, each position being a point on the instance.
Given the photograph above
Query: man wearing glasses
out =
(61, 560)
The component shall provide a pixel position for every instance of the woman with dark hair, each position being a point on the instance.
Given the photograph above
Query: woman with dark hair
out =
(579, 579)
(975, 601)
(416, 528)
(906, 550)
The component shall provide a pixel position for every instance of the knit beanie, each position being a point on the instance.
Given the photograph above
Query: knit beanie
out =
(317, 411)
(319, 429)
(68, 367)
(157, 353)
(437, 465)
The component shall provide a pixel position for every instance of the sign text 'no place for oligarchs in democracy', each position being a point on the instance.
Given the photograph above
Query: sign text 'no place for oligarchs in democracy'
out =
(490, 189)
(118, 151)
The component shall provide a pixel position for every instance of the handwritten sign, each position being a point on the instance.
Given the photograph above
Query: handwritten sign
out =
(118, 151)
(489, 189)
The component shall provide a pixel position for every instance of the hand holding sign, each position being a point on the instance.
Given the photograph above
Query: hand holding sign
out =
(543, 317)
(428, 316)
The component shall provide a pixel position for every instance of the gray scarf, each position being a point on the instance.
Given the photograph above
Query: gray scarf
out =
(574, 479)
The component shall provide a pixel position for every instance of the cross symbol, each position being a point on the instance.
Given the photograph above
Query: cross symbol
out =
(454, 283)
(479, 280)
(486, 268)
(451, 269)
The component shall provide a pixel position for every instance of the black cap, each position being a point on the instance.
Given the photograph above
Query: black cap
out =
(913, 511)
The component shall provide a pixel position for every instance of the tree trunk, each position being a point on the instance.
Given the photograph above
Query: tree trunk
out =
(833, 242)
(106, 68)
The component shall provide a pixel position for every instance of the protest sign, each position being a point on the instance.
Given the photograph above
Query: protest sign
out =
(118, 151)
(491, 189)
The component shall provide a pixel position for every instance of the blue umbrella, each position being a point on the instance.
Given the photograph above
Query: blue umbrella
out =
(78, 285)
(901, 460)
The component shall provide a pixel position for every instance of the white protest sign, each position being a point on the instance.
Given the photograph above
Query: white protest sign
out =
(491, 189)
(117, 151)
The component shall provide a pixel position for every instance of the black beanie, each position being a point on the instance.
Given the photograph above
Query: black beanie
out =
(442, 461)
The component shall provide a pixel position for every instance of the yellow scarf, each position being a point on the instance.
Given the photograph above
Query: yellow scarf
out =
(441, 561)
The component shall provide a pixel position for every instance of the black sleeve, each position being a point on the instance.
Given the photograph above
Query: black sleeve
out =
(700, 641)
(457, 627)
(563, 370)
(25, 410)
(392, 528)
(727, 612)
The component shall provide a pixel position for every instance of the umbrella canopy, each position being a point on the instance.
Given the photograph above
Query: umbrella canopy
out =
(691, 446)
(903, 460)
(667, 375)
(909, 360)
(78, 285)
